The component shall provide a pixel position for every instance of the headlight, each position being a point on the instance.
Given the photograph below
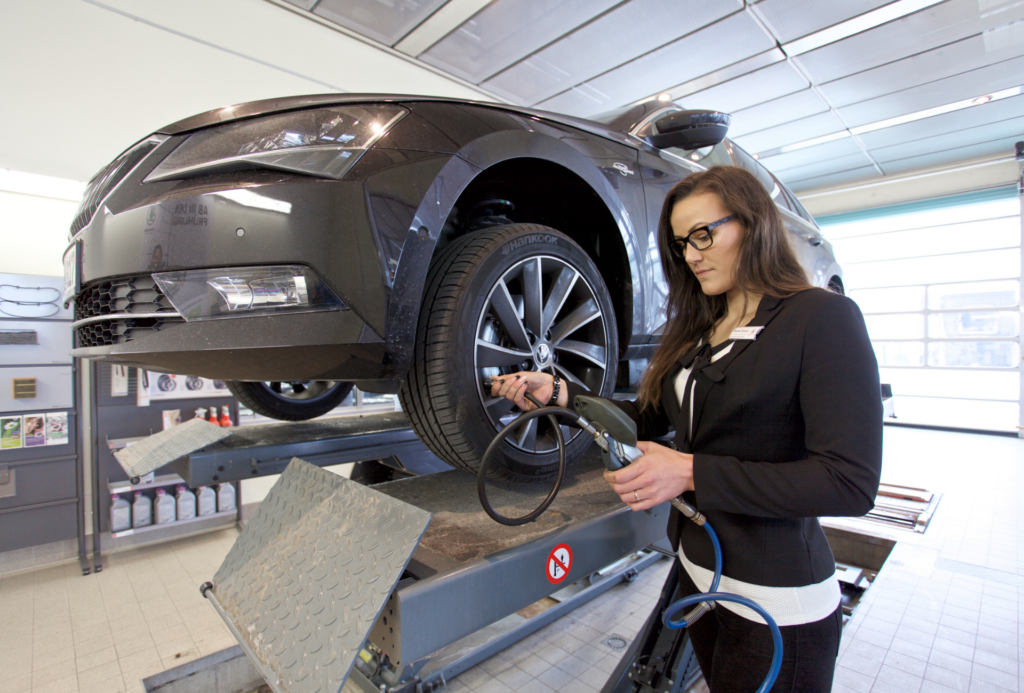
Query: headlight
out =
(242, 291)
(322, 142)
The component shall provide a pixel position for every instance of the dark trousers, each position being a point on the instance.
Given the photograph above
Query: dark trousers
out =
(735, 653)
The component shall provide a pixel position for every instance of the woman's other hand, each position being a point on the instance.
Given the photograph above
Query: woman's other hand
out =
(514, 387)
(660, 475)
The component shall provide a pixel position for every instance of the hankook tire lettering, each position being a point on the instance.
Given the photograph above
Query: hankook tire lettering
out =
(526, 240)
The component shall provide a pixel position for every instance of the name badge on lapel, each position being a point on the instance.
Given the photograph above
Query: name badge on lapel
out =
(746, 333)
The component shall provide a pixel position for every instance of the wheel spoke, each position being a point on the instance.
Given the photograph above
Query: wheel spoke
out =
(563, 284)
(578, 318)
(508, 316)
(591, 352)
(526, 436)
(497, 407)
(532, 298)
(492, 355)
(571, 377)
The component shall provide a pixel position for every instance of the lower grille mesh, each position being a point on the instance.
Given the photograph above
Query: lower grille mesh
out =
(128, 295)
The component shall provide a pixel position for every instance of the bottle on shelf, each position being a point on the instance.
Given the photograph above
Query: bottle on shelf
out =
(186, 503)
(120, 514)
(225, 417)
(225, 497)
(201, 413)
(165, 509)
(142, 510)
(213, 416)
(206, 500)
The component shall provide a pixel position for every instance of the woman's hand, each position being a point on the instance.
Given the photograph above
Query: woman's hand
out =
(514, 387)
(660, 475)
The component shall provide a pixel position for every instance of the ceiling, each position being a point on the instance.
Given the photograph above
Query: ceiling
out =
(812, 85)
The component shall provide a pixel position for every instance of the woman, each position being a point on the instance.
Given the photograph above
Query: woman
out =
(772, 388)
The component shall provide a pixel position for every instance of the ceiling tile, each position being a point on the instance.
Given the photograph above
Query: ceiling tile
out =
(930, 28)
(951, 157)
(793, 19)
(304, 4)
(790, 133)
(616, 37)
(824, 167)
(955, 58)
(776, 112)
(1013, 127)
(802, 157)
(681, 60)
(857, 175)
(384, 22)
(749, 90)
(975, 116)
(507, 31)
(984, 80)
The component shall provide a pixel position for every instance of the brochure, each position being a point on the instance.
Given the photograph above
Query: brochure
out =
(57, 428)
(34, 430)
(10, 432)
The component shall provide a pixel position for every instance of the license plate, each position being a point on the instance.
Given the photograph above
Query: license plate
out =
(71, 273)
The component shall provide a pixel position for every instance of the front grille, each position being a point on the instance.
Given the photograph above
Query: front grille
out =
(128, 295)
(104, 181)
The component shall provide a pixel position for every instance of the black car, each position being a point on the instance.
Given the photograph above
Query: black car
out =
(404, 244)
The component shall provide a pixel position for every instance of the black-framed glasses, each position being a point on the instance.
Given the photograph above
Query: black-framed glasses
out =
(700, 238)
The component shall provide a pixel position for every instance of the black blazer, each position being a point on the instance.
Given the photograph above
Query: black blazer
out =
(787, 428)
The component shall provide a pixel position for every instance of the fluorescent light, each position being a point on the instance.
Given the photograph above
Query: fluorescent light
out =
(664, 96)
(43, 186)
(938, 110)
(810, 143)
(868, 20)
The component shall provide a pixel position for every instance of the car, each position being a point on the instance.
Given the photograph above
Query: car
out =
(403, 244)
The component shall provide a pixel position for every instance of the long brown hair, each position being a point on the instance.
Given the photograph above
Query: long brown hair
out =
(767, 265)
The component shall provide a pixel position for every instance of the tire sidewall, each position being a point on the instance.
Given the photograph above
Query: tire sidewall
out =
(516, 243)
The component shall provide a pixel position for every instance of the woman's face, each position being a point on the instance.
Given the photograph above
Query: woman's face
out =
(714, 267)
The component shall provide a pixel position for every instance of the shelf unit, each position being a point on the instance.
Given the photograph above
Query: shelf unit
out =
(158, 482)
(177, 523)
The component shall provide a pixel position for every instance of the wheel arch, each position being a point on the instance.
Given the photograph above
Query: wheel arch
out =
(490, 159)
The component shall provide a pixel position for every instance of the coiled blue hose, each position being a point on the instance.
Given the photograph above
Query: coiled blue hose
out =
(713, 596)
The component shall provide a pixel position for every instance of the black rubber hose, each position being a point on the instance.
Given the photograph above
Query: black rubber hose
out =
(481, 477)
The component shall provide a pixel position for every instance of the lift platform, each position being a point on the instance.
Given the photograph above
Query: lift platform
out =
(401, 586)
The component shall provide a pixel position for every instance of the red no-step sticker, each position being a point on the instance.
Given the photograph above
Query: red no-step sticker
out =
(559, 563)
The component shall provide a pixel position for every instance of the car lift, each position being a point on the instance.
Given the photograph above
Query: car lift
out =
(469, 587)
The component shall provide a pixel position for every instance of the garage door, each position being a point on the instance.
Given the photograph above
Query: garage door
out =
(939, 284)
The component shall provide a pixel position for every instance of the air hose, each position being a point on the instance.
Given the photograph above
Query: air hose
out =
(617, 438)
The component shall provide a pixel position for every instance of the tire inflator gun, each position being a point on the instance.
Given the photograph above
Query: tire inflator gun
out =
(615, 434)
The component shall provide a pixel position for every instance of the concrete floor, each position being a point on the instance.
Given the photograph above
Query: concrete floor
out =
(943, 614)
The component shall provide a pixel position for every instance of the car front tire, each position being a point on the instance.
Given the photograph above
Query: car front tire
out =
(510, 298)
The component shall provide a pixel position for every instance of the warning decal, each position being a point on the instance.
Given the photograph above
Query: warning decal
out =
(559, 563)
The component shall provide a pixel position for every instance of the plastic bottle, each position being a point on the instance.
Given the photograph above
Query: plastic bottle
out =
(225, 497)
(120, 514)
(201, 413)
(225, 417)
(165, 509)
(186, 503)
(213, 416)
(206, 499)
(142, 510)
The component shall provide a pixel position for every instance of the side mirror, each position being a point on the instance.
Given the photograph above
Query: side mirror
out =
(690, 129)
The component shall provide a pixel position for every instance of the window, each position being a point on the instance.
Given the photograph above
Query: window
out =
(939, 285)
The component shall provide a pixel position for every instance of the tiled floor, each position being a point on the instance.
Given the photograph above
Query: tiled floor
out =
(943, 615)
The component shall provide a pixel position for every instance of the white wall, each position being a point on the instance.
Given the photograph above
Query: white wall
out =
(33, 233)
(82, 80)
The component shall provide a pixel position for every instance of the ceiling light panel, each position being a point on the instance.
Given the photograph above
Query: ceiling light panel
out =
(952, 140)
(381, 20)
(749, 90)
(689, 57)
(825, 167)
(304, 4)
(793, 19)
(796, 131)
(936, 26)
(729, 72)
(809, 155)
(949, 157)
(628, 31)
(507, 31)
(834, 180)
(968, 85)
(969, 54)
(975, 116)
(776, 112)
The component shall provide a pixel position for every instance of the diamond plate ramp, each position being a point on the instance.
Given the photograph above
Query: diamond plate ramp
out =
(310, 573)
(153, 452)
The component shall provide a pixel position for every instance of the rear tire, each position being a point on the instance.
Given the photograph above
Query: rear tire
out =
(515, 297)
(296, 401)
